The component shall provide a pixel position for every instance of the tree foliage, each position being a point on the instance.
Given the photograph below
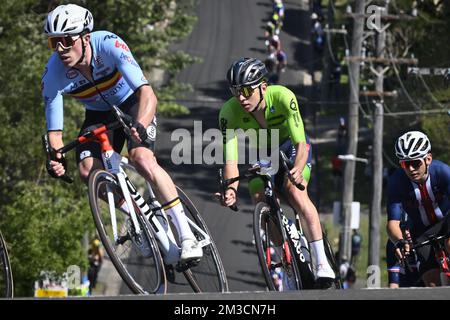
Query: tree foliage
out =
(43, 220)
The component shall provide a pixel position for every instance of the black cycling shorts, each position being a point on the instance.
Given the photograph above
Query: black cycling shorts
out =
(116, 138)
(426, 253)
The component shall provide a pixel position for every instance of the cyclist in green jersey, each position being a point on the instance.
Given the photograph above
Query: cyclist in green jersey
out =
(256, 105)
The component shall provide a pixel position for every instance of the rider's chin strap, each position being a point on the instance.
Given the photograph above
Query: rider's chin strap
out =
(261, 98)
(83, 48)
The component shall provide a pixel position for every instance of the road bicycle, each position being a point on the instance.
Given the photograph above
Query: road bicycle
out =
(282, 248)
(135, 230)
(441, 255)
(6, 278)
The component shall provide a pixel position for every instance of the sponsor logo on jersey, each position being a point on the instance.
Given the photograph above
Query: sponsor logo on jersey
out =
(73, 86)
(98, 61)
(72, 74)
(122, 45)
(293, 105)
(223, 127)
(128, 59)
(85, 154)
(111, 36)
(102, 72)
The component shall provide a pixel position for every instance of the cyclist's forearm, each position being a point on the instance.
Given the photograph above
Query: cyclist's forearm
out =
(56, 140)
(302, 155)
(394, 231)
(147, 105)
(230, 171)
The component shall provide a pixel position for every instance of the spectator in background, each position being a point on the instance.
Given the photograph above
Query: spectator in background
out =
(273, 44)
(95, 257)
(281, 61)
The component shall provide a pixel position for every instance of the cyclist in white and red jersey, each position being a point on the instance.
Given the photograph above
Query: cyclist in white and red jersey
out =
(422, 189)
(98, 69)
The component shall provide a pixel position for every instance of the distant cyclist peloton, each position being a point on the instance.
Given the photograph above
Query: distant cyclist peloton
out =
(98, 69)
(420, 188)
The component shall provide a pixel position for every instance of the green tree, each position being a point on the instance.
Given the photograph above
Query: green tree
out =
(42, 219)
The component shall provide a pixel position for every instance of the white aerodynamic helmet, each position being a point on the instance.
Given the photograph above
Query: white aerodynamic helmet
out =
(69, 19)
(412, 145)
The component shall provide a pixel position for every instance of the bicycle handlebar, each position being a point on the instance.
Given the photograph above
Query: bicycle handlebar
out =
(253, 172)
(431, 239)
(51, 155)
(288, 167)
(123, 121)
(223, 185)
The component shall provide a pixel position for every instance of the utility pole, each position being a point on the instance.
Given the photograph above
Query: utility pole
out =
(345, 247)
(377, 155)
(381, 14)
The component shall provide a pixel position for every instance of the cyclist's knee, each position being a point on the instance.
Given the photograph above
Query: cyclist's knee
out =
(145, 161)
(86, 166)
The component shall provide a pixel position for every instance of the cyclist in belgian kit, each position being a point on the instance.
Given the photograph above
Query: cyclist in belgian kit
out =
(99, 70)
(422, 189)
(257, 105)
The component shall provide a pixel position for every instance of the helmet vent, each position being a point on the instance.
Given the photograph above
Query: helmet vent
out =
(64, 25)
(55, 23)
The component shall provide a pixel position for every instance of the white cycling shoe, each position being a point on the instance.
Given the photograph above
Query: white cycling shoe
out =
(324, 271)
(190, 250)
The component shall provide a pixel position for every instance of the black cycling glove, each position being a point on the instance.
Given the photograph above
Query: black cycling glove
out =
(140, 130)
(62, 160)
(400, 244)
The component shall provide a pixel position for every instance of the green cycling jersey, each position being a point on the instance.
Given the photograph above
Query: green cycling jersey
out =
(281, 113)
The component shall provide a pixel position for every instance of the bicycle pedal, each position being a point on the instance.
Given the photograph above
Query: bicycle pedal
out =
(121, 240)
(324, 283)
(180, 267)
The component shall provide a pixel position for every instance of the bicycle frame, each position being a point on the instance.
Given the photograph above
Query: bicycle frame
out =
(114, 163)
(289, 231)
(441, 256)
(153, 218)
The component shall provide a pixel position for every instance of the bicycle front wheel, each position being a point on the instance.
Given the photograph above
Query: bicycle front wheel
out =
(209, 274)
(136, 256)
(276, 255)
(6, 279)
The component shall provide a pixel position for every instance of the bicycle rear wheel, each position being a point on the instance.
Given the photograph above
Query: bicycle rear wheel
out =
(276, 256)
(209, 274)
(136, 256)
(6, 279)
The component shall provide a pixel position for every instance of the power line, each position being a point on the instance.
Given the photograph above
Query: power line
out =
(429, 92)
(401, 83)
